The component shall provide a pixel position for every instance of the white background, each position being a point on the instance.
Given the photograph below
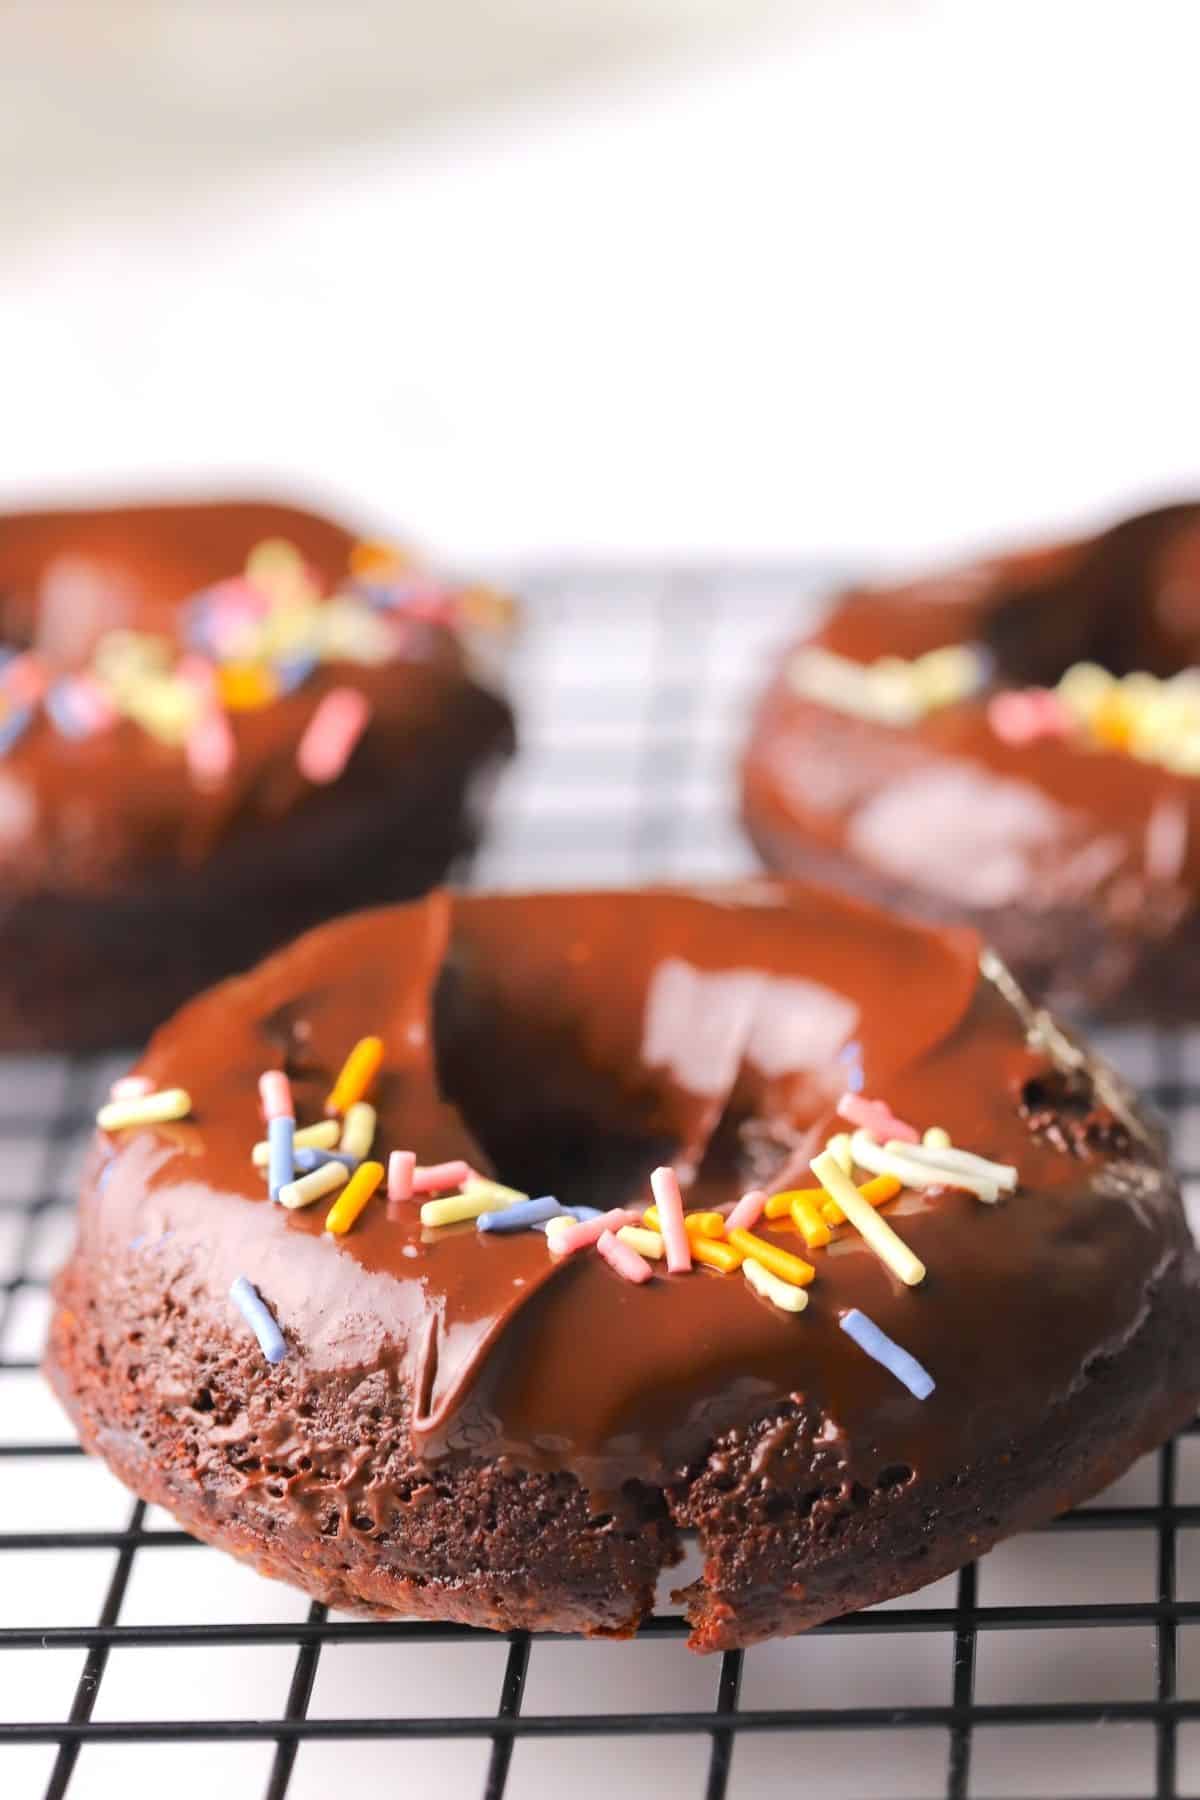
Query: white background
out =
(572, 275)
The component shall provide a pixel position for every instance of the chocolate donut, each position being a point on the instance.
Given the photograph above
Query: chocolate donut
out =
(408, 1415)
(1017, 744)
(219, 724)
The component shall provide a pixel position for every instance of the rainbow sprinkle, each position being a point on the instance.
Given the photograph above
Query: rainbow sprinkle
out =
(259, 1318)
(885, 1350)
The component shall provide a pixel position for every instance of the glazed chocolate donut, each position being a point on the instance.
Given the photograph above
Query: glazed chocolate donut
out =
(406, 1408)
(1017, 744)
(219, 724)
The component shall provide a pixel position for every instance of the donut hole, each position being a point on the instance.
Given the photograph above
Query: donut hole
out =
(895, 1475)
(1130, 602)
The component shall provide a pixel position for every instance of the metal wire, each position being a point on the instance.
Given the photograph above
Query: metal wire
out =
(635, 687)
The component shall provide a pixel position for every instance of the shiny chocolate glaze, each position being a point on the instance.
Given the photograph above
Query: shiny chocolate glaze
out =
(1082, 866)
(569, 1043)
(124, 887)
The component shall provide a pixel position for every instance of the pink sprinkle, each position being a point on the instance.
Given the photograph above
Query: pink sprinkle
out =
(25, 678)
(623, 1257)
(275, 1092)
(131, 1087)
(211, 749)
(1020, 717)
(876, 1118)
(589, 1231)
(669, 1201)
(747, 1212)
(200, 674)
(90, 704)
(332, 733)
(401, 1164)
(437, 1178)
(435, 606)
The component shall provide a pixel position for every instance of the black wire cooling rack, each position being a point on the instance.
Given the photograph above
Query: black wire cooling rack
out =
(137, 1662)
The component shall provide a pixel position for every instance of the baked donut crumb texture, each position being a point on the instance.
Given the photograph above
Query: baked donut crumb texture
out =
(541, 1308)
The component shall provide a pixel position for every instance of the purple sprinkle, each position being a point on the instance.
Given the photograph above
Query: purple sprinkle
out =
(259, 1318)
(885, 1350)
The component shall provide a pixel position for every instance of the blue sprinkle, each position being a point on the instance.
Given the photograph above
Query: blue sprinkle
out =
(879, 1345)
(308, 1159)
(851, 1055)
(280, 1164)
(258, 1316)
(144, 1243)
(64, 715)
(105, 1175)
(293, 671)
(582, 1213)
(521, 1216)
(12, 727)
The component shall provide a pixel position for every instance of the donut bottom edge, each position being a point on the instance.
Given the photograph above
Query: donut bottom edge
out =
(508, 1550)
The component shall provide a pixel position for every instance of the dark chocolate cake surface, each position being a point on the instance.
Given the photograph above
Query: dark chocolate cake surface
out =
(466, 1426)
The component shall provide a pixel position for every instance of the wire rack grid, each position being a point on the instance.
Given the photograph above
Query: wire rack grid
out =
(136, 1661)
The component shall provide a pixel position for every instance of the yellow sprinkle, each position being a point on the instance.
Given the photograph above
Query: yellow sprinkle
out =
(781, 1293)
(839, 1146)
(358, 1129)
(356, 1074)
(353, 1197)
(313, 1186)
(277, 569)
(165, 708)
(807, 1218)
(148, 1109)
(553, 1228)
(705, 1224)
(872, 1227)
(1084, 688)
(780, 1262)
(936, 1138)
(646, 1243)
(246, 687)
(351, 631)
(877, 1192)
(497, 1194)
(718, 1253)
(779, 1206)
(457, 1207)
(322, 1136)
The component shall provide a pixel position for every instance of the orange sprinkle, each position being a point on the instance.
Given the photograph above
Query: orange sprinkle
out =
(1112, 723)
(245, 687)
(780, 1262)
(356, 1075)
(716, 1253)
(701, 1224)
(353, 1197)
(806, 1216)
(779, 1206)
(373, 556)
(877, 1192)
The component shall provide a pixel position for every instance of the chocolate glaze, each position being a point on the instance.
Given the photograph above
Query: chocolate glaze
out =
(570, 1042)
(125, 887)
(1081, 865)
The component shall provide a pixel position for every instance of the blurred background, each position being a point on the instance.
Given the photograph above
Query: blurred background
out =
(867, 278)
